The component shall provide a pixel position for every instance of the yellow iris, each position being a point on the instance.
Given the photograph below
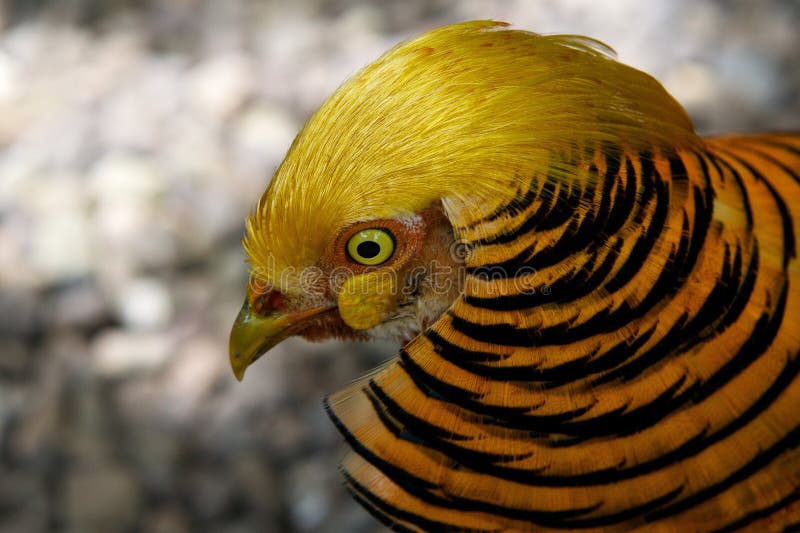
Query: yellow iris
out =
(371, 246)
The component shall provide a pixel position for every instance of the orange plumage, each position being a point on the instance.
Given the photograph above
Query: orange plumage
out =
(600, 304)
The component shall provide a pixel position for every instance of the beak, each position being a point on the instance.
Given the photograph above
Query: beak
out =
(253, 335)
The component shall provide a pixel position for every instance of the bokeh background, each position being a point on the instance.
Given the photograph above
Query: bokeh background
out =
(134, 137)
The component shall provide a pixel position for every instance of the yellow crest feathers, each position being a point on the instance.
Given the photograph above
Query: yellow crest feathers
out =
(461, 113)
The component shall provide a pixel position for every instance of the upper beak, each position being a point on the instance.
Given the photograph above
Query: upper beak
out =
(253, 335)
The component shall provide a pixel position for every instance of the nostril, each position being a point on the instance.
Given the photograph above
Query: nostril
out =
(275, 299)
(267, 302)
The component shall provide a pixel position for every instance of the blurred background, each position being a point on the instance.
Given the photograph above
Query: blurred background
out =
(135, 135)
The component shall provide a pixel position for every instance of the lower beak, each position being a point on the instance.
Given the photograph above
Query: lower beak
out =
(253, 335)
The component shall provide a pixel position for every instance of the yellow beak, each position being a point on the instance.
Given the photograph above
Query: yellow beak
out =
(253, 335)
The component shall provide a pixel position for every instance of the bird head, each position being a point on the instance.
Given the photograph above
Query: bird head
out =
(374, 278)
(359, 232)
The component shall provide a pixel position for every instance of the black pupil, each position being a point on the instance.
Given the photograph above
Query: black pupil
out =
(368, 249)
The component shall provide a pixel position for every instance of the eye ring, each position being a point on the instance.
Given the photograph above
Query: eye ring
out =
(371, 247)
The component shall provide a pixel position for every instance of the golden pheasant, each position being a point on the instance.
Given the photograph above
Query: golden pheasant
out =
(598, 307)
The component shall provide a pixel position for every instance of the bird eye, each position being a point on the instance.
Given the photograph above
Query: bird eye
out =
(371, 246)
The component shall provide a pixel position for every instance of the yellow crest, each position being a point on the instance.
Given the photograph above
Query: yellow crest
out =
(461, 114)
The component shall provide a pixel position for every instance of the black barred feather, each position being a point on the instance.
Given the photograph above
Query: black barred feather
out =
(624, 355)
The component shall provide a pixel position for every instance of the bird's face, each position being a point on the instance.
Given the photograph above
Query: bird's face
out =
(378, 278)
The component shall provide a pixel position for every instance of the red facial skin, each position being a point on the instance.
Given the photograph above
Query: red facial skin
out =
(417, 245)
